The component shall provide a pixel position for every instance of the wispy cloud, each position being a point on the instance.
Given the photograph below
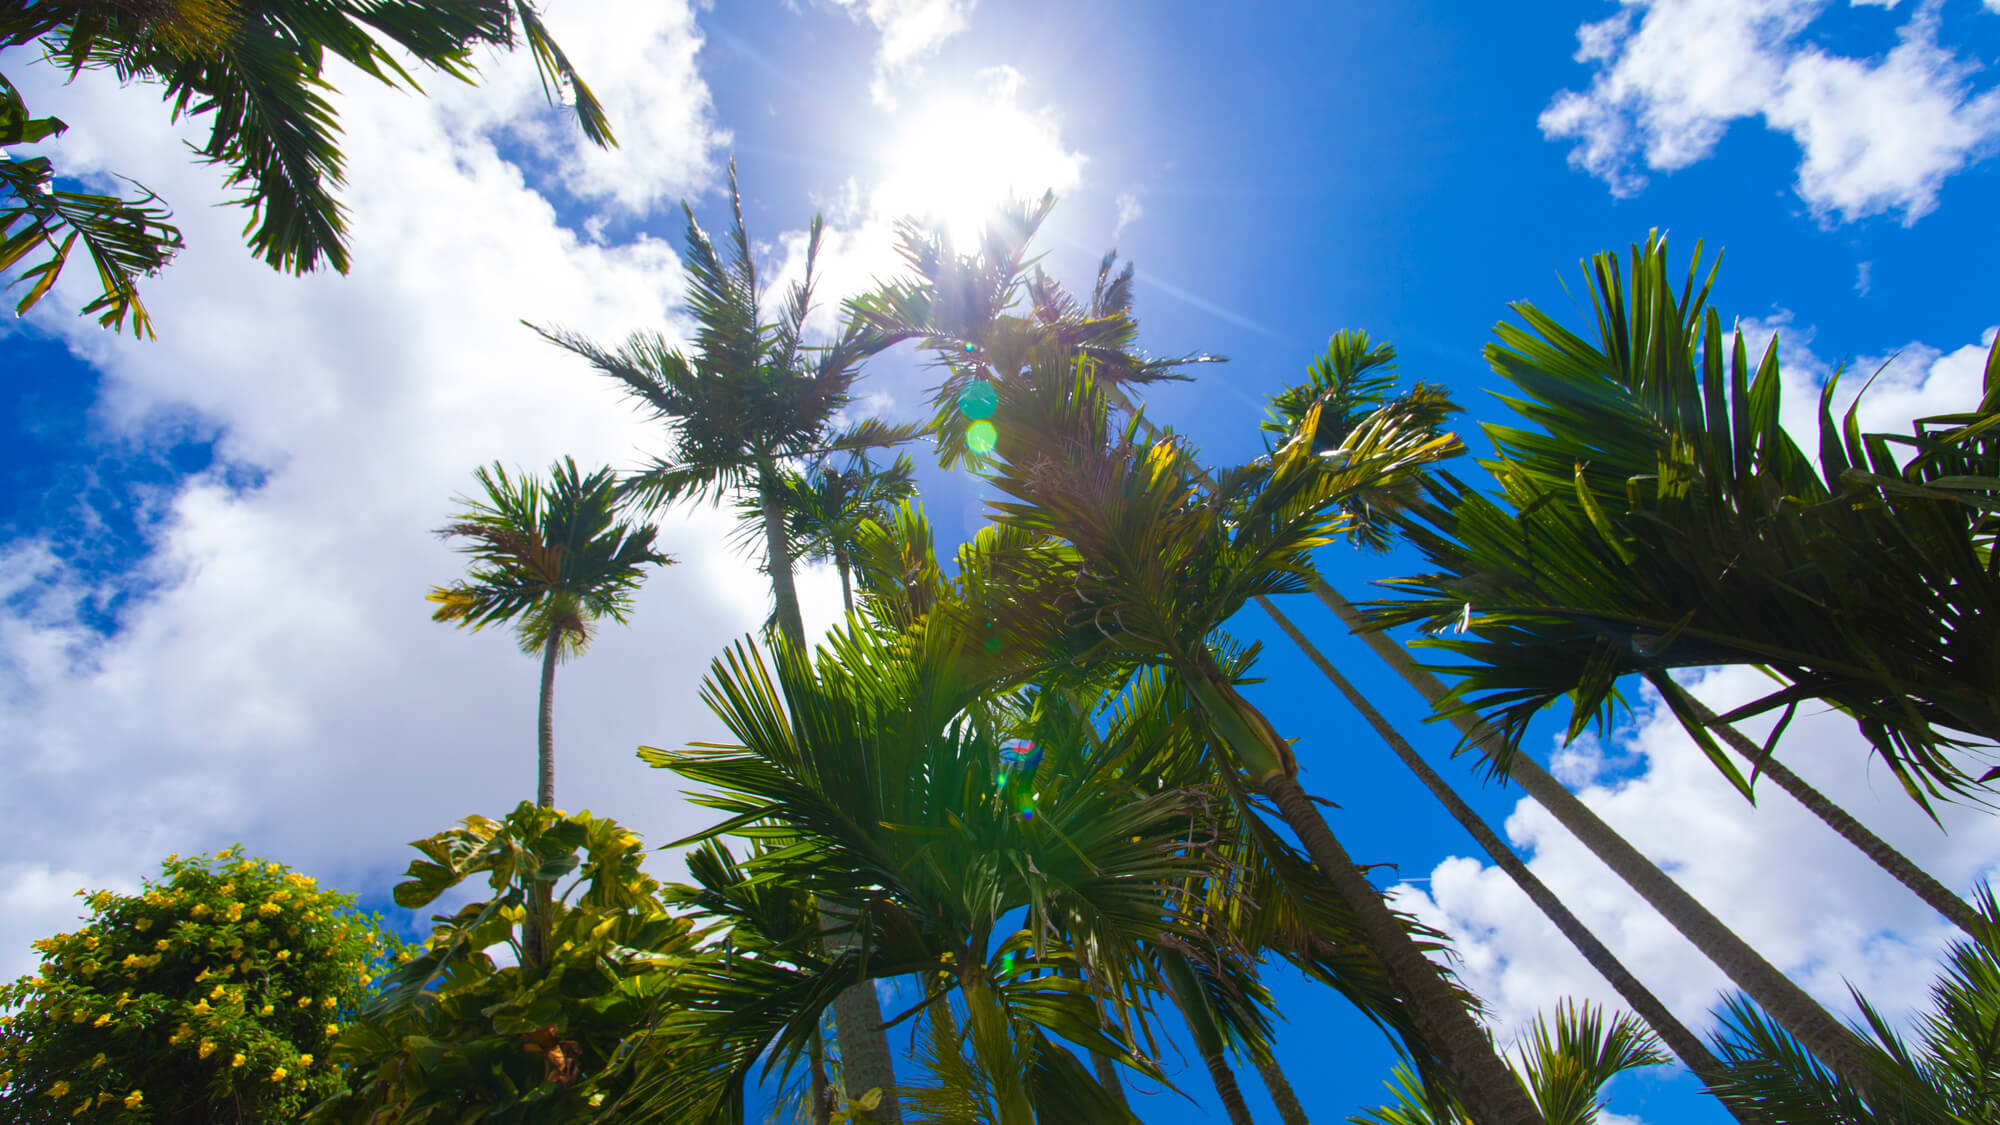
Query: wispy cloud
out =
(1875, 135)
(912, 31)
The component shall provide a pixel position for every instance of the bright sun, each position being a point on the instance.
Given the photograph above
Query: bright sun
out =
(961, 157)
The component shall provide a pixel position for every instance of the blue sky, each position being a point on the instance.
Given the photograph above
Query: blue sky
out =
(217, 543)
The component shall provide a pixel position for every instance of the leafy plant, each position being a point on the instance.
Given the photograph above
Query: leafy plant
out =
(213, 995)
(464, 1029)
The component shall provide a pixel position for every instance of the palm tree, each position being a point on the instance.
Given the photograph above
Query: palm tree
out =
(746, 403)
(1143, 562)
(1694, 532)
(552, 559)
(1351, 379)
(258, 70)
(827, 506)
(1564, 1069)
(1951, 1074)
(873, 774)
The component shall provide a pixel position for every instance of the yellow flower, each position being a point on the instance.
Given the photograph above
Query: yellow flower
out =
(58, 1090)
(265, 1010)
(133, 1099)
(143, 924)
(216, 992)
(201, 1005)
(180, 1035)
(228, 888)
(161, 945)
(80, 1108)
(327, 1003)
(306, 1059)
(97, 1061)
(200, 910)
(234, 913)
(100, 1021)
(284, 954)
(305, 1001)
(206, 1049)
(237, 1060)
(269, 909)
(90, 941)
(278, 1075)
(332, 1029)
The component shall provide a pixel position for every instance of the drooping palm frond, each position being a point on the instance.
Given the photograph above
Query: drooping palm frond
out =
(1661, 518)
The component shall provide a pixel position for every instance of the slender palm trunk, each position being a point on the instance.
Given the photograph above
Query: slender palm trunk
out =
(1477, 1074)
(841, 564)
(1682, 1041)
(540, 895)
(822, 1107)
(1226, 1087)
(1935, 894)
(1786, 1002)
(1289, 1109)
(865, 1061)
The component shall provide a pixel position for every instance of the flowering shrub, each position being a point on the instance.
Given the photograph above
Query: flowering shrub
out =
(212, 996)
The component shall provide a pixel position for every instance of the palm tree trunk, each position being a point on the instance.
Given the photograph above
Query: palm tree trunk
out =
(1786, 1002)
(1478, 1076)
(534, 928)
(865, 1061)
(1289, 1109)
(1226, 1088)
(1682, 1041)
(778, 563)
(841, 564)
(1898, 865)
(821, 1112)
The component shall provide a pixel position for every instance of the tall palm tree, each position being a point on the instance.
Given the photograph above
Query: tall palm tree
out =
(1683, 512)
(257, 72)
(826, 507)
(552, 559)
(748, 402)
(1351, 379)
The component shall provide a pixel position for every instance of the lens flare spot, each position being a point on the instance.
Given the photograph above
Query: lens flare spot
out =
(978, 400)
(981, 437)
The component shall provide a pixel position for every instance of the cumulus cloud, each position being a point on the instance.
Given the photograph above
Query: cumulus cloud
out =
(279, 683)
(1808, 901)
(912, 31)
(1129, 211)
(1876, 135)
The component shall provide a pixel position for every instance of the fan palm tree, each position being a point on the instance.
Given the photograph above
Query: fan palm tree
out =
(257, 71)
(1564, 1069)
(552, 559)
(1693, 531)
(746, 403)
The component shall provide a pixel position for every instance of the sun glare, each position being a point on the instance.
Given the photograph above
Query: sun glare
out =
(959, 158)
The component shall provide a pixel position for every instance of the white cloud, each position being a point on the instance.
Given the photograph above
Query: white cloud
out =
(912, 31)
(1876, 135)
(1129, 211)
(281, 683)
(1913, 381)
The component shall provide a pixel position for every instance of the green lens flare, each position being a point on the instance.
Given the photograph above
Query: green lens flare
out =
(981, 437)
(978, 400)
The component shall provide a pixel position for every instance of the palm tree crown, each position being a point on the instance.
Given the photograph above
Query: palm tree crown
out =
(553, 557)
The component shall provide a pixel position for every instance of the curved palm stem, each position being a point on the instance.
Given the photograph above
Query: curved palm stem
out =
(1799, 1013)
(1678, 1037)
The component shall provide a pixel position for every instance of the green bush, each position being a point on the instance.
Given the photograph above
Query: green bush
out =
(213, 996)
